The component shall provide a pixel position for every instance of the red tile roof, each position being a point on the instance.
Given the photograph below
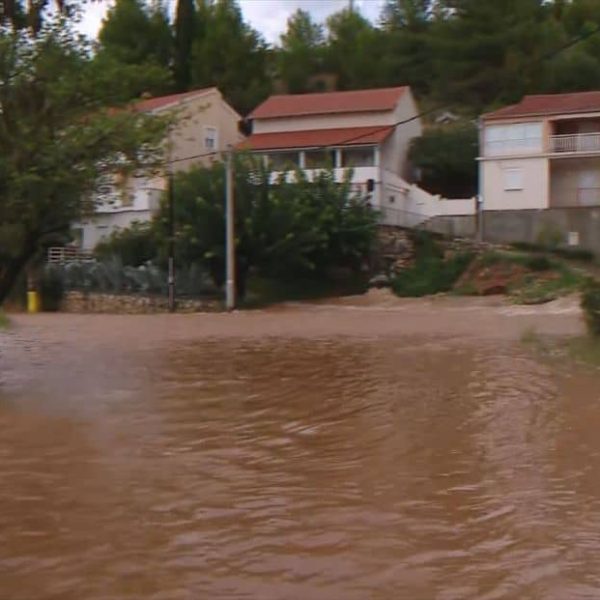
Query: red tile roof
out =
(162, 101)
(549, 104)
(348, 136)
(328, 103)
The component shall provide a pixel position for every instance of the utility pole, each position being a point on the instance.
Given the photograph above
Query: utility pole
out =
(351, 5)
(171, 260)
(229, 235)
(171, 247)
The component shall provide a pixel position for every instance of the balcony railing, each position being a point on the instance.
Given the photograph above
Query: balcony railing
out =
(579, 142)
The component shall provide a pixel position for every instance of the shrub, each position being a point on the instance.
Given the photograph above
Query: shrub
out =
(51, 289)
(538, 263)
(590, 302)
(133, 246)
(431, 275)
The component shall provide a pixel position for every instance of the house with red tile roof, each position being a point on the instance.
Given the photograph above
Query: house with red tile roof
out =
(540, 168)
(368, 131)
(205, 126)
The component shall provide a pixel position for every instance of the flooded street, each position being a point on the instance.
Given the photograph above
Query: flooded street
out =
(415, 450)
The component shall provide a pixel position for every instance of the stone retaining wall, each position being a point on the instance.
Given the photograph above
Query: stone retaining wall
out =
(80, 302)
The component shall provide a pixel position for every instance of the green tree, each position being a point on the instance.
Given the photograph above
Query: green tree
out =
(229, 54)
(283, 229)
(486, 52)
(56, 140)
(134, 34)
(301, 53)
(446, 157)
(407, 58)
(354, 49)
(185, 25)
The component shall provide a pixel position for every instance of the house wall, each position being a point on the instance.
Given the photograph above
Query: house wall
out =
(535, 184)
(186, 140)
(101, 226)
(394, 151)
(187, 136)
(575, 182)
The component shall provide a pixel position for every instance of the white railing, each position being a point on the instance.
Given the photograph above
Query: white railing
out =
(63, 254)
(579, 142)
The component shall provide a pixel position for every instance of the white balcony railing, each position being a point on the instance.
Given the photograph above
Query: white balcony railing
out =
(579, 142)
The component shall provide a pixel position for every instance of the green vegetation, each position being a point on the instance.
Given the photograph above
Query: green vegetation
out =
(431, 272)
(535, 290)
(286, 231)
(4, 322)
(431, 276)
(446, 157)
(58, 139)
(590, 302)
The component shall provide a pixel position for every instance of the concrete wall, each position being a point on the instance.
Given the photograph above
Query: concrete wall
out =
(535, 189)
(580, 225)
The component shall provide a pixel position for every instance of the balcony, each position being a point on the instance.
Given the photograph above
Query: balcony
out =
(575, 143)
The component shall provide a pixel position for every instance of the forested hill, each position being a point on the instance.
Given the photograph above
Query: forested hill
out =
(471, 55)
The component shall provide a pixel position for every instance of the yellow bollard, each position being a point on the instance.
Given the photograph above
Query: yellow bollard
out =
(33, 302)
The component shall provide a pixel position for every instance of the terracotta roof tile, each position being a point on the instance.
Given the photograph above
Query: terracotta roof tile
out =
(161, 101)
(549, 104)
(348, 136)
(328, 103)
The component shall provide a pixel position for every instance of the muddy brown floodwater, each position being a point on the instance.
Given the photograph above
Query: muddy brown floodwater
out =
(357, 451)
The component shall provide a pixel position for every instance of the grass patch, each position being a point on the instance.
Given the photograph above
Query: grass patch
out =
(538, 290)
(4, 322)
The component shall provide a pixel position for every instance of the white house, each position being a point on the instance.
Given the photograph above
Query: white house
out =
(539, 169)
(356, 129)
(205, 127)
(543, 152)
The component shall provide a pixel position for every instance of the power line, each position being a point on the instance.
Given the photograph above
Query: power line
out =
(547, 56)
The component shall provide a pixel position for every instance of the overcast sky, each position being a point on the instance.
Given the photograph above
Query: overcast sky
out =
(267, 16)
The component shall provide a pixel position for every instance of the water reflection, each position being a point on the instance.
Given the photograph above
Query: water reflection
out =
(287, 468)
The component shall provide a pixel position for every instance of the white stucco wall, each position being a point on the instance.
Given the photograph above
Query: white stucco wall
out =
(535, 184)
(394, 151)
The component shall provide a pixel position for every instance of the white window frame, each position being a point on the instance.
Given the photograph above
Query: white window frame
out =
(212, 134)
(513, 179)
(514, 138)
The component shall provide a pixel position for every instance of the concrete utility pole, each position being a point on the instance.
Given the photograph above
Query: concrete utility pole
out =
(171, 247)
(229, 234)
(171, 260)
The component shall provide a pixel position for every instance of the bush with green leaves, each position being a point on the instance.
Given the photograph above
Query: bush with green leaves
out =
(286, 227)
(431, 275)
(590, 302)
(133, 246)
(446, 157)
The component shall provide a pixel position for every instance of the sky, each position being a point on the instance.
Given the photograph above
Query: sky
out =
(269, 17)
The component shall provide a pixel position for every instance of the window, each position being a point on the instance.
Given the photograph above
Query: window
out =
(518, 138)
(210, 138)
(513, 179)
(284, 161)
(358, 157)
(319, 159)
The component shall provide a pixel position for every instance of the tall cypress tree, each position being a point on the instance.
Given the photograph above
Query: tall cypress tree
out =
(185, 18)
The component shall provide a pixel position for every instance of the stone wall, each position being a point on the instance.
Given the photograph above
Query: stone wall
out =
(394, 250)
(80, 302)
